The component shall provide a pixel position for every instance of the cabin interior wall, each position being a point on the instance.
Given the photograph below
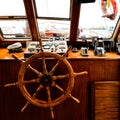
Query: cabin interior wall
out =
(11, 100)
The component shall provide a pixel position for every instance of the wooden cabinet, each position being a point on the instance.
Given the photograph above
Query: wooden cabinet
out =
(105, 100)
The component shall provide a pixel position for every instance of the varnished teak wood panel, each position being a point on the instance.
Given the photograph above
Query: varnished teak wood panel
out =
(106, 100)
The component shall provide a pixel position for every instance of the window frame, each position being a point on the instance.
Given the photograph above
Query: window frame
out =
(31, 17)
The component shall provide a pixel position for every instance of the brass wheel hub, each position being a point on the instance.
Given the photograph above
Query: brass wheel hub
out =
(46, 80)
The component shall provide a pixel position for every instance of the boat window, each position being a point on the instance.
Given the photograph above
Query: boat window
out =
(53, 8)
(94, 21)
(50, 28)
(12, 8)
(13, 21)
(53, 17)
(15, 29)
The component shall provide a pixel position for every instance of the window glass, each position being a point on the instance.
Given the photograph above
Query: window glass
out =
(53, 8)
(13, 21)
(56, 9)
(92, 21)
(14, 28)
(12, 8)
(49, 28)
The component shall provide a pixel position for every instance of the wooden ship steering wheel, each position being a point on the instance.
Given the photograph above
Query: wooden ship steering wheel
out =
(45, 79)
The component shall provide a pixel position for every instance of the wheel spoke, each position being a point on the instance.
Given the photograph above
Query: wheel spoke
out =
(35, 71)
(14, 56)
(32, 81)
(57, 86)
(54, 68)
(24, 82)
(56, 65)
(11, 84)
(49, 101)
(65, 54)
(25, 106)
(52, 113)
(44, 66)
(48, 93)
(37, 90)
(29, 66)
(60, 77)
(81, 73)
(61, 89)
(75, 99)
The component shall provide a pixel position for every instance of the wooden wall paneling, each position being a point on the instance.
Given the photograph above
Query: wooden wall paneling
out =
(112, 69)
(91, 70)
(104, 69)
(106, 100)
(79, 66)
(11, 100)
(99, 70)
(9, 96)
(116, 70)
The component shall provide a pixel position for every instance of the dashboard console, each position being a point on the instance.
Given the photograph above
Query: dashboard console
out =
(52, 45)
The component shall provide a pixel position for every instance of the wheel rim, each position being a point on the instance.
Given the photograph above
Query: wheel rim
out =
(45, 77)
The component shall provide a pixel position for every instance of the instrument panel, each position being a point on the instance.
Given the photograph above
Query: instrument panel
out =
(52, 45)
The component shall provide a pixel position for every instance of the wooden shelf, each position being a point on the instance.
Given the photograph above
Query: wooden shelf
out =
(108, 55)
(4, 54)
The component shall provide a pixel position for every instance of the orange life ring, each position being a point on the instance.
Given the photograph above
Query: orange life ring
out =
(112, 15)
